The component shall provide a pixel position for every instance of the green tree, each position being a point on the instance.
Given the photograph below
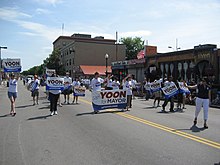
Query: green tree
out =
(133, 46)
(53, 62)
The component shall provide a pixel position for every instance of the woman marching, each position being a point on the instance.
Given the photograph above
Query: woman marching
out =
(12, 92)
(202, 100)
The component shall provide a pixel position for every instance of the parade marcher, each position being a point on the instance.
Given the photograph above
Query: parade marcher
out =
(181, 97)
(53, 97)
(75, 84)
(108, 80)
(67, 88)
(171, 99)
(157, 96)
(96, 83)
(115, 83)
(12, 92)
(147, 89)
(202, 100)
(127, 85)
(134, 82)
(35, 90)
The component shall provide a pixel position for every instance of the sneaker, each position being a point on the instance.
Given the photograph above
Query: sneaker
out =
(52, 113)
(68, 103)
(206, 126)
(55, 113)
(64, 102)
(163, 111)
(60, 105)
(172, 110)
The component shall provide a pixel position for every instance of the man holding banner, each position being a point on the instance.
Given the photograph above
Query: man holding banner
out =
(169, 90)
(106, 99)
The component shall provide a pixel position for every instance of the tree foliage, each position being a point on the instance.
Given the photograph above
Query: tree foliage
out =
(133, 46)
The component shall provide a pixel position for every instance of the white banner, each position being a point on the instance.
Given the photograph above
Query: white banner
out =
(49, 72)
(55, 83)
(79, 91)
(170, 90)
(155, 86)
(109, 99)
(11, 65)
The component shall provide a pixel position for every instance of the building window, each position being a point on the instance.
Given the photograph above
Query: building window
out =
(70, 61)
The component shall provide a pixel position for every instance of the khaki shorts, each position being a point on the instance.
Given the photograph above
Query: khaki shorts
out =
(35, 93)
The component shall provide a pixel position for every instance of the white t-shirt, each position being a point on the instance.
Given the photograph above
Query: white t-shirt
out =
(13, 86)
(76, 83)
(128, 87)
(167, 83)
(96, 84)
(55, 92)
(109, 83)
(115, 85)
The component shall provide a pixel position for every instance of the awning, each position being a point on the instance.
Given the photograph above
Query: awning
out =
(90, 70)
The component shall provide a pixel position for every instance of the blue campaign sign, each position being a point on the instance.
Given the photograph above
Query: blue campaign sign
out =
(108, 99)
(12, 65)
(55, 83)
(170, 90)
(79, 91)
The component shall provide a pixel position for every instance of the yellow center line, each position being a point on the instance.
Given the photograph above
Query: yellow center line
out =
(165, 128)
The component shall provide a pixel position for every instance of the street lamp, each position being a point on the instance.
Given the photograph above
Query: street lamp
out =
(106, 64)
(1, 47)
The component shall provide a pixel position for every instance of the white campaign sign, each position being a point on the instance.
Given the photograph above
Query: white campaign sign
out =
(49, 72)
(11, 65)
(170, 90)
(55, 83)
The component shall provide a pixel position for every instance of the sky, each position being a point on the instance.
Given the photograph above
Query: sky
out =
(29, 27)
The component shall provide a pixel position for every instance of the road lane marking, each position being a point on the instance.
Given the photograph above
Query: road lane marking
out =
(165, 128)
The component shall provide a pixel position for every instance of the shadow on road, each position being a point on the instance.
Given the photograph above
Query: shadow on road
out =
(99, 113)
(6, 115)
(194, 128)
(46, 107)
(24, 106)
(39, 117)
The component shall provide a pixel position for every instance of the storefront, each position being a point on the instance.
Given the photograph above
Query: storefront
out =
(190, 65)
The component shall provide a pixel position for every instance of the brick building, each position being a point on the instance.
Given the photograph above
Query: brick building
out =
(80, 52)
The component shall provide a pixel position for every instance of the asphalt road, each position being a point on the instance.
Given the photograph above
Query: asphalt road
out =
(76, 136)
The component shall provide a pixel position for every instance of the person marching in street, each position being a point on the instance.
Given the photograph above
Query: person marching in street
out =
(171, 99)
(54, 96)
(181, 97)
(157, 96)
(134, 82)
(108, 80)
(115, 83)
(202, 100)
(12, 92)
(35, 90)
(95, 84)
(75, 84)
(147, 88)
(67, 88)
(127, 85)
